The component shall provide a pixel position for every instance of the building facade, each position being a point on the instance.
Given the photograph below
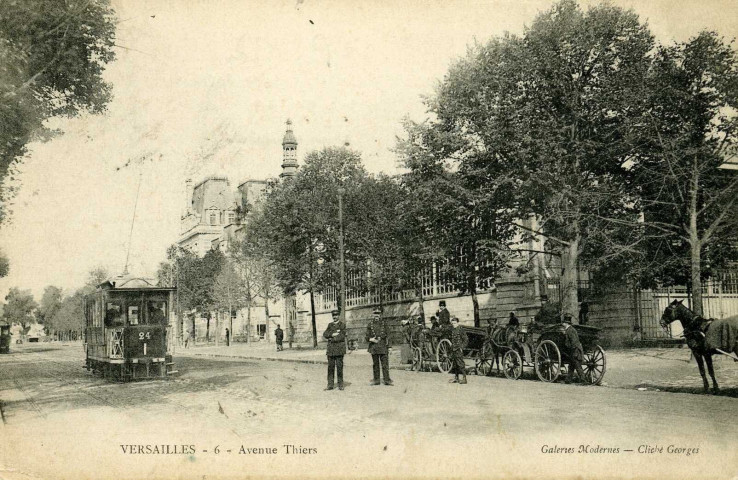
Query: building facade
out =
(212, 220)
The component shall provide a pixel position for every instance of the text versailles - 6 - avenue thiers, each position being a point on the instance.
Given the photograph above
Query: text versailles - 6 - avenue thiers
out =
(168, 449)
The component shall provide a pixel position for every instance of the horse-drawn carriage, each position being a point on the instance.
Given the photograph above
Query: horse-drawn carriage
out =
(542, 348)
(432, 347)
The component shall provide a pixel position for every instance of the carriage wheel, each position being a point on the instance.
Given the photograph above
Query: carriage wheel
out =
(547, 361)
(512, 365)
(594, 365)
(443, 355)
(483, 364)
(417, 362)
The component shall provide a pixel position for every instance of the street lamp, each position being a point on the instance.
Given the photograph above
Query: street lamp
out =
(342, 298)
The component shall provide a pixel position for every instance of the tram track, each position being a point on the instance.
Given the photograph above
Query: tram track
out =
(61, 376)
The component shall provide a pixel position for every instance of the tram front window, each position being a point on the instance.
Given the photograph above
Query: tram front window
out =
(113, 315)
(157, 313)
(133, 315)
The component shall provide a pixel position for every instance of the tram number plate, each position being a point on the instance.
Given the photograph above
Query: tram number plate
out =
(146, 335)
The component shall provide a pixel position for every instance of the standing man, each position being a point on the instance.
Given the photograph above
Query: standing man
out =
(228, 338)
(335, 334)
(279, 336)
(458, 343)
(512, 328)
(377, 336)
(444, 317)
(575, 350)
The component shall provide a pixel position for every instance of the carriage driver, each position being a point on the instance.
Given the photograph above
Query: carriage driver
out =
(458, 343)
(575, 350)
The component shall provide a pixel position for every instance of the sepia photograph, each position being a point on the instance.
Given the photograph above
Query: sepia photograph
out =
(465, 239)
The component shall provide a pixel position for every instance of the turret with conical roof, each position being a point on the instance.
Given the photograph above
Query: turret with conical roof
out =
(289, 152)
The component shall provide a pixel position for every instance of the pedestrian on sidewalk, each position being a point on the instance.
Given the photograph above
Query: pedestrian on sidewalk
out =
(186, 338)
(228, 338)
(459, 340)
(335, 334)
(279, 336)
(377, 336)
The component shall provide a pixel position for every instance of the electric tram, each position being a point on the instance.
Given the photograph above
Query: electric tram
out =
(129, 329)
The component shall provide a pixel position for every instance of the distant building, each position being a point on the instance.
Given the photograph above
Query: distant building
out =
(213, 210)
(213, 219)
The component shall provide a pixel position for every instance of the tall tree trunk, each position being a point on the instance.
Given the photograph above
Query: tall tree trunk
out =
(475, 302)
(248, 322)
(569, 284)
(266, 315)
(312, 314)
(217, 328)
(207, 329)
(695, 247)
(420, 299)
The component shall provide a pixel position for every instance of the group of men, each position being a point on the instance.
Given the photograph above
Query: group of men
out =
(377, 336)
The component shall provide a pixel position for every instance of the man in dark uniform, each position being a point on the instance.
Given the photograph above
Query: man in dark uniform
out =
(228, 338)
(279, 336)
(444, 317)
(458, 343)
(512, 328)
(575, 350)
(335, 335)
(377, 336)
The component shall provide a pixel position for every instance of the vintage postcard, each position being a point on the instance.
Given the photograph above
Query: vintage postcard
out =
(339, 239)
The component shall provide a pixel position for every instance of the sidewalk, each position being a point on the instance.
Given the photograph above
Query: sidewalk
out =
(303, 353)
(669, 369)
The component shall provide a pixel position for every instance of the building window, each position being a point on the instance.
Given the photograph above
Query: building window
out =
(213, 218)
(231, 217)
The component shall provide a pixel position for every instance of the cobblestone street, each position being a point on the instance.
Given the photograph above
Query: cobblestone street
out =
(54, 411)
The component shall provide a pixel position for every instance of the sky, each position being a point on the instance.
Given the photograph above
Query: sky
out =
(203, 88)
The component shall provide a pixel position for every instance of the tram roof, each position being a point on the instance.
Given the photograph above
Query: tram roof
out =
(129, 282)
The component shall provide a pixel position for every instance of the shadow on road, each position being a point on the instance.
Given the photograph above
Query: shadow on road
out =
(724, 392)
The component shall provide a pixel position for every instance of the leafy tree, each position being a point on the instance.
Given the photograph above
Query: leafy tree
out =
(20, 307)
(50, 304)
(298, 222)
(377, 229)
(231, 292)
(52, 56)
(4, 264)
(209, 268)
(687, 132)
(70, 314)
(95, 277)
(533, 125)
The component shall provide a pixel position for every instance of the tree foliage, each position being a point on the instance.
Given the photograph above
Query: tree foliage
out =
(50, 304)
(687, 132)
(533, 125)
(20, 307)
(52, 56)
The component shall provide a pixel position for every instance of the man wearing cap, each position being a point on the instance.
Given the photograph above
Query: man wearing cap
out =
(458, 343)
(575, 350)
(279, 336)
(377, 336)
(335, 334)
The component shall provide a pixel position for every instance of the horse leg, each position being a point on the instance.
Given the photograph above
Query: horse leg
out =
(700, 364)
(708, 360)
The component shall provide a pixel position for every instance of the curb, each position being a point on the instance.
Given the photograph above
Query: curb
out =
(272, 359)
